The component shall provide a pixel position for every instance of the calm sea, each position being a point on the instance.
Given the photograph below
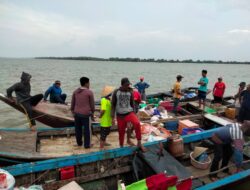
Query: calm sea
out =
(160, 76)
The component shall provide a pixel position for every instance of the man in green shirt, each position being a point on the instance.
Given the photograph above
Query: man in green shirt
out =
(202, 91)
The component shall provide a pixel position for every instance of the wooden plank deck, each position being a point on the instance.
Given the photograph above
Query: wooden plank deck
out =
(18, 142)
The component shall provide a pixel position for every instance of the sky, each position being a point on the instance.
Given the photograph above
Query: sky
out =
(168, 29)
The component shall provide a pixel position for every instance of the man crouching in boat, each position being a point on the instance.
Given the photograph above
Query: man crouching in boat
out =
(23, 97)
(55, 93)
(83, 108)
(228, 141)
(123, 106)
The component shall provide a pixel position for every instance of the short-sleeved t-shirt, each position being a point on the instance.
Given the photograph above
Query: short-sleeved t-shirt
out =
(219, 89)
(203, 87)
(106, 120)
(177, 88)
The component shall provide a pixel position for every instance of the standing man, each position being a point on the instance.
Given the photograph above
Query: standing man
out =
(228, 141)
(218, 91)
(23, 97)
(177, 92)
(83, 107)
(244, 113)
(141, 86)
(202, 91)
(240, 92)
(123, 106)
(55, 93)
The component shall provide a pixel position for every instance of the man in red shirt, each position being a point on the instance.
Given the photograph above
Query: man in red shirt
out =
(218, 91)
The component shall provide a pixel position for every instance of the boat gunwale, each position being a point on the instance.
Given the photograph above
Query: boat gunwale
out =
(39, 166)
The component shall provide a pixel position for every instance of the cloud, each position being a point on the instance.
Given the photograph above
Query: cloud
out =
(239, 31)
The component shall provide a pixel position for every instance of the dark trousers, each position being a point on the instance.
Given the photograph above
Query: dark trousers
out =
(33, 101)
(176, 102)
(244, 114)
(136, 106)
(224, 152)
(217, 99)
(58, 99)
(82, 121)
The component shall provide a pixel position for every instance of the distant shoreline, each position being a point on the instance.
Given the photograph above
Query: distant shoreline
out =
(145, 60)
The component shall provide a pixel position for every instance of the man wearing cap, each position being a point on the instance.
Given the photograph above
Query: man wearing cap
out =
(55, 93)
(240, 92)
(244, 113)
(141, 86)
(218, 91)
(123, 107)
(228, 141)
(23, 97)
(177, 93)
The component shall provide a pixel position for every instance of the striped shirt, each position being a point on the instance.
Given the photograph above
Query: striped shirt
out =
(235, 131)
(237, 136)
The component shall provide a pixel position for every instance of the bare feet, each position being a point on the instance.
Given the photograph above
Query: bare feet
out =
(143, 149)
(213, 178)
(33, 128)
(107, 144)
(130, 143)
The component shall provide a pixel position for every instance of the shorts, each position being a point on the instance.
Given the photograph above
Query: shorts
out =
(217, 99)
(104, 133)
(202, 95)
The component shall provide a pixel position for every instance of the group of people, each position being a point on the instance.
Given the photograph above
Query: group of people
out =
(122, 104)
(228, 140)
(26, 101)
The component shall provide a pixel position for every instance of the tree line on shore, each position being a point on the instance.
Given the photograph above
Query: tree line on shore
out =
(128, 59)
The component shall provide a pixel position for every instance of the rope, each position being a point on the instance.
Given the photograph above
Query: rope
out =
(26, 114)
(37, 179)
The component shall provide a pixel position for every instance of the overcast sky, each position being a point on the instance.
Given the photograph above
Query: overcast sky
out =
(170, 29)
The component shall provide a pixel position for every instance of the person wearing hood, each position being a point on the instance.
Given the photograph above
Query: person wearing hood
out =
(83, 108)
(22, 90)
(55, 93)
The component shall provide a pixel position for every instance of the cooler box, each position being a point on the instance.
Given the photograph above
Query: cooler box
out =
(67, 172)
(186, 124)
(230, 113)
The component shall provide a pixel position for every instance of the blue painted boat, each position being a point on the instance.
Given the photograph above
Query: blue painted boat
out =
(22, 145)
(102, 168)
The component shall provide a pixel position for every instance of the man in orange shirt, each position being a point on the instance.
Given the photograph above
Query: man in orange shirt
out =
(177, 92)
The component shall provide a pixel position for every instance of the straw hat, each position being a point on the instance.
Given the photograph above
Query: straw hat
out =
(198, 151)
(107, 90)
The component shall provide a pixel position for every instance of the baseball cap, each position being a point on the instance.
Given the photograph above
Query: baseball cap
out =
(179, 77)
(242, 84)
(125, 81)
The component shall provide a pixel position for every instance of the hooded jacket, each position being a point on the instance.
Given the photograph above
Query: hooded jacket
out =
(22, 89)
(53, 91)
(83, 102)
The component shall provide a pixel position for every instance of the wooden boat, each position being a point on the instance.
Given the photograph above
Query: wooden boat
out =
(99, 170)
(53, 115)
(227, 101)
(169, 94)
(22, 145)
